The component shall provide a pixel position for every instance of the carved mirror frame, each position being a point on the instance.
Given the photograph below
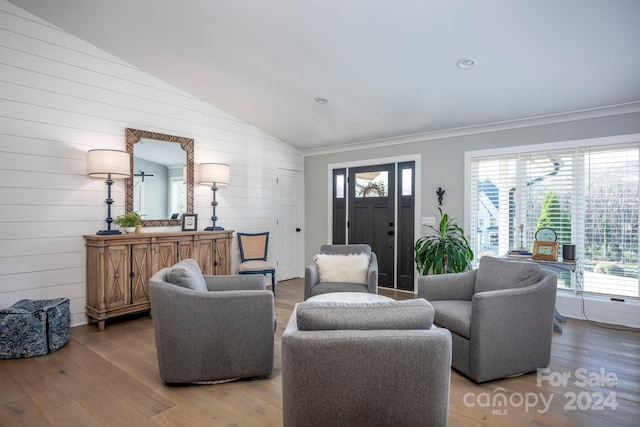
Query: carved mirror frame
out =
(133, 136)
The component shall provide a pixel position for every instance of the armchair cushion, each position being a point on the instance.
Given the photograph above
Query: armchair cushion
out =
(187, 274)
(256, 265)
(454, 315)
(497, 274)
(352, 268)
(389, 315)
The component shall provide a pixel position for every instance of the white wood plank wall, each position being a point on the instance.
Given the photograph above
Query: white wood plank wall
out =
(59, 98)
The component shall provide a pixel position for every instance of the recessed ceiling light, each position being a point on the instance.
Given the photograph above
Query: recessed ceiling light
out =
(321, 100)
(466, 63)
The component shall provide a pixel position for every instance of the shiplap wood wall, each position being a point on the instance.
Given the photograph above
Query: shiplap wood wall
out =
(59, 98)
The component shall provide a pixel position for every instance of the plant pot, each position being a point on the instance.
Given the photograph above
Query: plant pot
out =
(129, 230)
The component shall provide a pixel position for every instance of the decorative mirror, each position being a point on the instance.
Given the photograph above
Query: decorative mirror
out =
(172, 178)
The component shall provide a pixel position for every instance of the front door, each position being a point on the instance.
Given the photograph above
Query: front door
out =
(372, 215)
(365, 205)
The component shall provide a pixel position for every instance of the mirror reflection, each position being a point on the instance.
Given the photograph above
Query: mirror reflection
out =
(160, 188)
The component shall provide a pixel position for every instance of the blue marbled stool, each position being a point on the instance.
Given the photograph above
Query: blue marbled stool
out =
(34, 327)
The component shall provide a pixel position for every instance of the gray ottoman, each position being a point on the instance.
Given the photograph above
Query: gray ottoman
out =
(34, 328)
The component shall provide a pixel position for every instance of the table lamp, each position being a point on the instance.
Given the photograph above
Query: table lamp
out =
(108, 164)
(214, 174)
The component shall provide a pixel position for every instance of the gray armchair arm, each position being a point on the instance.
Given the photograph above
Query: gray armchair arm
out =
(253, 282)
(311, 278)
(372, 275)
(453, 286)
(509, 324)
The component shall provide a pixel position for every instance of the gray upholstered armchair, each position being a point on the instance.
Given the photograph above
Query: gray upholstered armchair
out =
(500, 316)
(316, 283)
(364, 364)
(211, 328)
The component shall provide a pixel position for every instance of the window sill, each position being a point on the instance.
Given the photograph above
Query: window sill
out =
(598, 308)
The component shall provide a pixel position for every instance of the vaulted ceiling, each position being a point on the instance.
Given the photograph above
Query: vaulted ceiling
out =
(386, 68)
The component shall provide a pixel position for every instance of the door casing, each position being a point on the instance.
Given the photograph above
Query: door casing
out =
(416, 158)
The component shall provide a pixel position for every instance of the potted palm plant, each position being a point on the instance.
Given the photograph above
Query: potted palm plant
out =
(129, 221)
(446, 251)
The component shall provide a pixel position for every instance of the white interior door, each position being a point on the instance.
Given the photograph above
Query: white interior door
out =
(289, 227)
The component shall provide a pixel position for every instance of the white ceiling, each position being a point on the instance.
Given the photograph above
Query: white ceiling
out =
(387, 67)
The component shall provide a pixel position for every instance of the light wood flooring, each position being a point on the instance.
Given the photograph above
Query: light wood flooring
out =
(111, 378)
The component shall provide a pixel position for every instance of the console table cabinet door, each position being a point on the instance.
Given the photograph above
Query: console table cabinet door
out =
(185, 250)
(140, 273)
(116, 281)
(165, 255)
(205, 255)
(119, 266)
(222, 258)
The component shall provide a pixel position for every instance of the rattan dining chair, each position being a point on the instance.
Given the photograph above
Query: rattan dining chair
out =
(253, 256)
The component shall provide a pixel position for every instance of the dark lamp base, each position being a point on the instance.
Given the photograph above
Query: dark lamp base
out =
(108, 232)
(213, 228)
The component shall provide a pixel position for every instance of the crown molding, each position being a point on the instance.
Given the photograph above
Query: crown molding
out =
(631, 107)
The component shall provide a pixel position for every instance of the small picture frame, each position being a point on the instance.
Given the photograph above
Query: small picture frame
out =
(545, 251)
(189, 222)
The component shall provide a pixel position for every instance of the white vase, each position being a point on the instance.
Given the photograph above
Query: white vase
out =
(129, 230)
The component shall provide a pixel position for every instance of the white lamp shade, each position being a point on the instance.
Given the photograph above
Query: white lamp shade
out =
(102, 163)
(214, 173)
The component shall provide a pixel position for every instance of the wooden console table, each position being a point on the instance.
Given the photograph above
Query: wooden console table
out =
(119, 266)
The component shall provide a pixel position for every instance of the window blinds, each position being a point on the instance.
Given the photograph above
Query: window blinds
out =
(610, 209)
(588, 196)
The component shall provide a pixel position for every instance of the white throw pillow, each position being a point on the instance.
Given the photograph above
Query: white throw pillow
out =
(352, 268)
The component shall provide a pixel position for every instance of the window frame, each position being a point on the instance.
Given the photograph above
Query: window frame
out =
(607, 143)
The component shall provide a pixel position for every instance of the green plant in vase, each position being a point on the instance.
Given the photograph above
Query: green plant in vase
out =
(128, 220)
(446, 251)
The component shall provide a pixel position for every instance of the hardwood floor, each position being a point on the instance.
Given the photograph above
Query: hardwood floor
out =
(111, 378)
